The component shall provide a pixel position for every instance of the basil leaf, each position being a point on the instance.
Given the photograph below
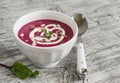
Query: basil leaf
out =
(22, 71)
(47, 34)
(45, 31)
(35, 73)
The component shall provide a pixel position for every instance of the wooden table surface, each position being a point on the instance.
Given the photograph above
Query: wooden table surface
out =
(102, 40)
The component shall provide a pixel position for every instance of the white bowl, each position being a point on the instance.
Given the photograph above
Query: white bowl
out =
(45, 57)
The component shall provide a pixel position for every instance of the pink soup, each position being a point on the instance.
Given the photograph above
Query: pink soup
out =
(45, 33)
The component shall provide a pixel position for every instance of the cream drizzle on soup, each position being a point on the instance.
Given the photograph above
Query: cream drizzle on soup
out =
(45, 33)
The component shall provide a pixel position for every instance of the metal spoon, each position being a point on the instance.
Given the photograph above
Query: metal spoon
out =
(81, 23)
(81, 61)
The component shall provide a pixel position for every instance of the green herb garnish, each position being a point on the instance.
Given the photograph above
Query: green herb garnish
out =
(47, 34)
(21, 71)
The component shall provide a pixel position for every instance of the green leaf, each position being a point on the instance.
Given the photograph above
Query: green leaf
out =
(47, 34)
(35, 73)
(45, 31)
(22, 71)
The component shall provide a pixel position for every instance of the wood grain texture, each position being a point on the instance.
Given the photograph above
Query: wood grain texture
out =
(102, 40)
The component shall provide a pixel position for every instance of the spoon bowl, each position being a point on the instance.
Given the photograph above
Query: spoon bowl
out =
(81, 23)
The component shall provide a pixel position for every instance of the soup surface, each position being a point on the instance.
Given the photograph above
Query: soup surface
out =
(45, 33)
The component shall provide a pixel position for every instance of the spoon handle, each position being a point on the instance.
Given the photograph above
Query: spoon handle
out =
(81, 60)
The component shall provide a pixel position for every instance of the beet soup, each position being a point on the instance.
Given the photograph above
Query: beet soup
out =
(45, 33)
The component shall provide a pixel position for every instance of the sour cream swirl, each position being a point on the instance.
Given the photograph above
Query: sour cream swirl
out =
(57, 35)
